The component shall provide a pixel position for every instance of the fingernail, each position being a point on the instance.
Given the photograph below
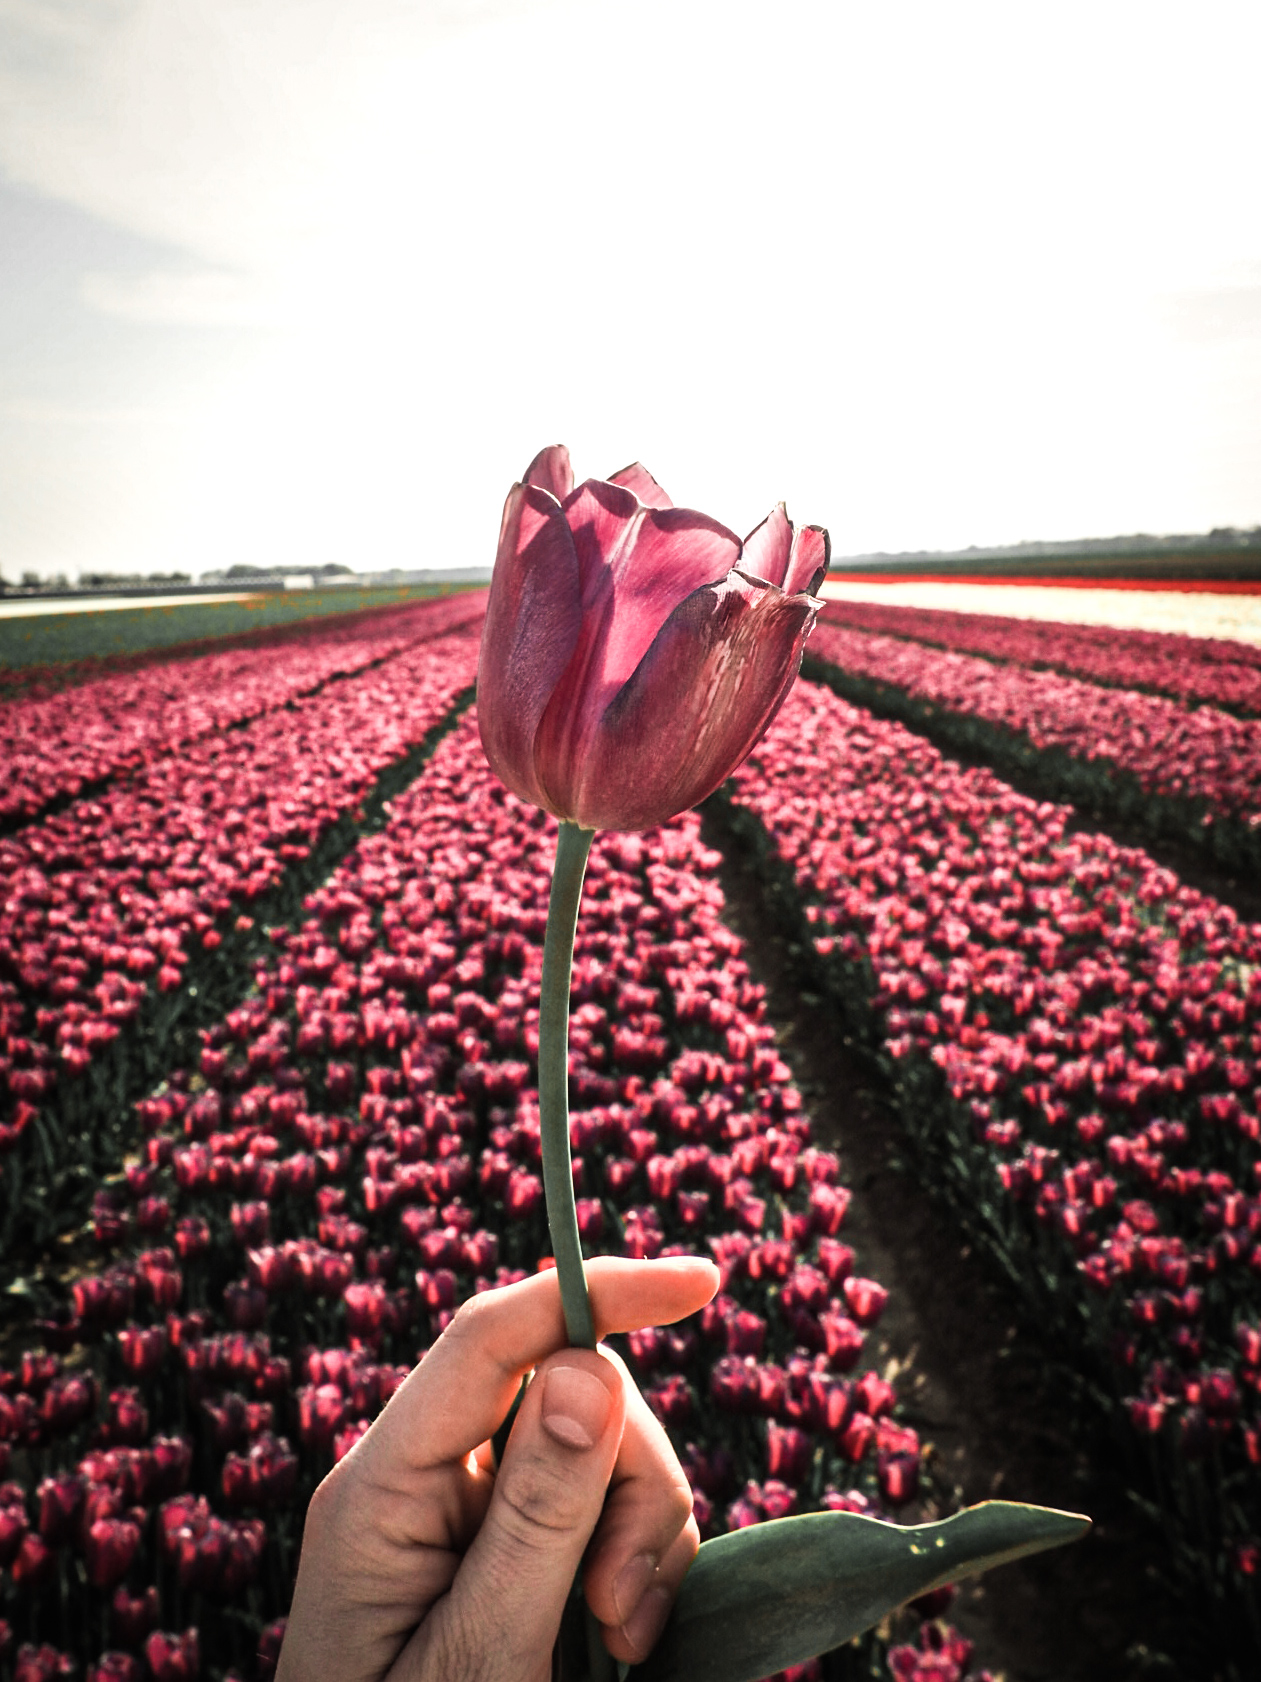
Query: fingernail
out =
(647, 1621)
(630, 1583)
(575, 1407)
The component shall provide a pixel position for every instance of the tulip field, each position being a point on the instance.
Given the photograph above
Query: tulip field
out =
(270, 949)
(1189, 773)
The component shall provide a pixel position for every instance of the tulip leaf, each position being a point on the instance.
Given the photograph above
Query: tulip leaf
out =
(777, 1594)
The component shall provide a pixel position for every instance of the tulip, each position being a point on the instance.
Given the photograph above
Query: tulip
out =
(132, 1616)
(245, 1555)
(13, 1529)
(788, 1452)
(143, 1348)
(866, 1299)
(174, 1658)
(269, 1643)
(60, 1503)
(68, 1401)
(42, 1664)
(35, 1563)
(618, 624)
(109, 1549)
(116, 1667)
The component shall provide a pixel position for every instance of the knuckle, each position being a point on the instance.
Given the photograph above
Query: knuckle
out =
(678, 1507)
(468, 1321)
(539, 1501)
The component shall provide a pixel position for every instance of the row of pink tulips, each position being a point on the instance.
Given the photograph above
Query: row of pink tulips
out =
(53, 746)
(1200, 670)
(1194, 773)
(358, 1151)
(107, 902)
(1074, 1037)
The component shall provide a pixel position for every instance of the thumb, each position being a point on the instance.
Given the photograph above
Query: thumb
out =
(512, 1585)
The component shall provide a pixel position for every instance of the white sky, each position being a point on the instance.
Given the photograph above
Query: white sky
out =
(308, 280)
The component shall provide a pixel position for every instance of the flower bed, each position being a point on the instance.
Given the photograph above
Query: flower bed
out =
(55, 745)
(115, 909)
(1200, 670)
(1074, 1041)
(1194, 774)
(356, 1152)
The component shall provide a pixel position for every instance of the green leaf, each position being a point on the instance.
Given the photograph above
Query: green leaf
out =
(777, 1594)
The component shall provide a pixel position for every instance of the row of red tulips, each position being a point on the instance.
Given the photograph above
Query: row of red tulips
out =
(1190, 773)
(53, 746)
(1074, 1040)
(114, 909)
(1200, 670)
(357, 1151)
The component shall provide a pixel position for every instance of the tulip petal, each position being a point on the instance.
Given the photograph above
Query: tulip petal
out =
(715, 675)
(637, 478)
(768, 546)
(550, 471)
(533, 622)
(808, 564)
(636, 566)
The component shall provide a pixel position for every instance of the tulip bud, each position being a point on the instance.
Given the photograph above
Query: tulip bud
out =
(866, 1299)
(143, 1348)
(13, 1528)
(116, 1667)
(269, 1643)
(173, 1658)
(616, 625)
(133, 1616)
(42, 1664)
(109, 1549)
(788, 1452)
(60, 1503)
(35, 1562)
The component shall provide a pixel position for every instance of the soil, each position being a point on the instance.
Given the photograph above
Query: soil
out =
(977, 1380)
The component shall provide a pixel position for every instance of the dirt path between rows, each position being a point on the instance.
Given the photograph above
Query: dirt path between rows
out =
(979, 1385)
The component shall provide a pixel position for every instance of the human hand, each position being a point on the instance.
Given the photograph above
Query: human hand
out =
(422, 1563)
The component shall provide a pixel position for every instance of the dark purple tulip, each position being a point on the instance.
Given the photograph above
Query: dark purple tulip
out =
(172, 1463)
(35, 1563)
(245, 1553)
(126, 1418)
(60, 1504)
(269, 1643)
(116, 1667)
(13, 1527)
(173, 1658)
(109, 1548)
(143, 1348)
(788, 1452)
(132, 1616)
(746, 1333)
(321, 1413)
(245, 1306)
(42, 1664)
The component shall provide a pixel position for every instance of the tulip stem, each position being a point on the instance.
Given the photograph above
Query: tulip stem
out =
(572, 847)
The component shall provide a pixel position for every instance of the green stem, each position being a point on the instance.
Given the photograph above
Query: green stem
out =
(572, 847)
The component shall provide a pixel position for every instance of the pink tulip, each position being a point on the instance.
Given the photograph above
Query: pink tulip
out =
(619, 624)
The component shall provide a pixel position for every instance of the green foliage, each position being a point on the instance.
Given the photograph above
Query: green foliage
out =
(777, 1594)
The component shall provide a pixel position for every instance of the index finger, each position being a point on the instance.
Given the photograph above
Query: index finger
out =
(461, 1392)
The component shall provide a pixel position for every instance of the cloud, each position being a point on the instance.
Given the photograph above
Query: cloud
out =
(907, 265)
(207, 298)
(1218, 314)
